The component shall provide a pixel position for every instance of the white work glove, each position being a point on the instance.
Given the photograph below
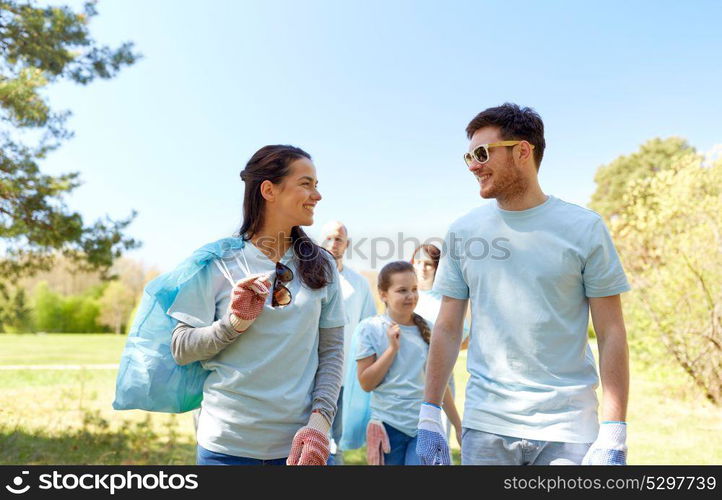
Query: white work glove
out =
(610, 448)
(431, 445)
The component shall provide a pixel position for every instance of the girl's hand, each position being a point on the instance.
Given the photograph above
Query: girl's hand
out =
(247, 299)
(458, 434)
(394, 334)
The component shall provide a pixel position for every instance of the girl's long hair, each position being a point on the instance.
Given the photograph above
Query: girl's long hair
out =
(272, 163)
(384, 282)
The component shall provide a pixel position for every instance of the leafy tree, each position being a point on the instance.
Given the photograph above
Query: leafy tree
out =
(669, 235)
(149, 276)
(15, 313)
(115, 305)
(54, 312)
(80, 314)
(40, 46)
(47, 309)
(613, 180)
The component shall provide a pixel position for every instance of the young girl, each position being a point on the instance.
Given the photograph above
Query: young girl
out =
(274, 339)
(391, 362)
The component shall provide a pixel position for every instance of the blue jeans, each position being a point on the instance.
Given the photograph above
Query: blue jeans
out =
(208, 457)
(403, 448)
(485, 448)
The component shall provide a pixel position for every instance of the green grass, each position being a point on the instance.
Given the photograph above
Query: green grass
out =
(52, 416)
(60, 348)
(65, 416)
(29, 380)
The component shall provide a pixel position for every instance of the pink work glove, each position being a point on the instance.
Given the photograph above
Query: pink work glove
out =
(310, 445)
(377, 443)
(247, 299)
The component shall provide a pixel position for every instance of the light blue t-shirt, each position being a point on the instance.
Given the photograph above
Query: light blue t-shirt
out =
(259, 391)
(529, 274)
(397, 399)
(358, 303)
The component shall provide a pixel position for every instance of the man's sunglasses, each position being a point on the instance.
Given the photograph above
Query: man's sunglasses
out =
(281, 294)
(481, 152)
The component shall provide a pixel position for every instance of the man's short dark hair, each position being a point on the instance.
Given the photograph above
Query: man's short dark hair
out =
(514, 123)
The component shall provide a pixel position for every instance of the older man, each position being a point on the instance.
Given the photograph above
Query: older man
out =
(358, 304)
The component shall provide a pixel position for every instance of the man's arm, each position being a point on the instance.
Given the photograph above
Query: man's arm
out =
(445, 343)
(613, 355)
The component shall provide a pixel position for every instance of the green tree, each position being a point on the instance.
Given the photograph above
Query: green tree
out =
(613, 180)
(116, 304)
(15, 313)
(54, 312)
(47, 309)
(669, 235)
(80, 314)
(40, 46)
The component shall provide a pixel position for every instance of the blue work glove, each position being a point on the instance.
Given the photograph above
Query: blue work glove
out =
(610, 448)
(431, 445)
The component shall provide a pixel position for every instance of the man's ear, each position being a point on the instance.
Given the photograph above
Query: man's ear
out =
(524, 153)
(268, 190)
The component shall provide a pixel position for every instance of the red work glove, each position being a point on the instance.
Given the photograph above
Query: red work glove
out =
(247, 299)
(377, 443)
(310, 445)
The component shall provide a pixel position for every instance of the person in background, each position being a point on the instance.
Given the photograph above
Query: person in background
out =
(391, 364)
(358, 304)
(273, 339)
(425, 260)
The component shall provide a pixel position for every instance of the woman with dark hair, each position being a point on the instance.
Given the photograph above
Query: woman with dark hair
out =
(272, 340)
(391, 364)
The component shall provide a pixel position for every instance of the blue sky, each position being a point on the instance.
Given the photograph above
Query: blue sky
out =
(379, 92)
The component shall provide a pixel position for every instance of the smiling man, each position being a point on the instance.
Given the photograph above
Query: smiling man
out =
(531, 396)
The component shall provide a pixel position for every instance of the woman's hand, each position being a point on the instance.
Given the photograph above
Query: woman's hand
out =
(310, 445)
(394, 334)
(247, 299)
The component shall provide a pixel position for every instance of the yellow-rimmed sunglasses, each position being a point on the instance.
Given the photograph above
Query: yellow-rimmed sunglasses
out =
(481, 152)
